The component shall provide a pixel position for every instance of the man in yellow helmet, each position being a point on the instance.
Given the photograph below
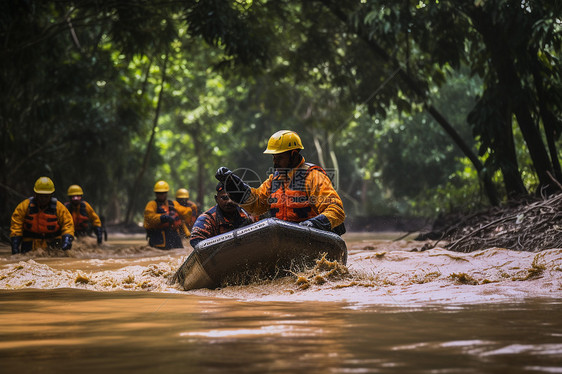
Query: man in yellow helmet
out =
(41, 221)
(297, 191)
(82, 213)
(182, 197)
(163, 218)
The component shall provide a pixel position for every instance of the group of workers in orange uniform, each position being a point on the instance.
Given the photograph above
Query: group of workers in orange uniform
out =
(42, 221)
(167, 221)
(296, 191)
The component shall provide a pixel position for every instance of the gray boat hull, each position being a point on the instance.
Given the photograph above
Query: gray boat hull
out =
(267, 247)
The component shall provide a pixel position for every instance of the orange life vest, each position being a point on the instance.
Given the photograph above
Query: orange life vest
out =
(170, 210)
(41, 224)
(79, 216)
(291, 203)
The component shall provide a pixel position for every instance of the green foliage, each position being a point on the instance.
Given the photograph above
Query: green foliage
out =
(461, 192)
(82, 82)
(417, 147)
(81, 86)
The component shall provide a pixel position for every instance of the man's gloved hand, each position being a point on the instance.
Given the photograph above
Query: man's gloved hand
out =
(307, 223)
(16, 241)
(319, 222)
(164, 218)
(67, 242)
(222, 173)
(234, 186)
(99, 234)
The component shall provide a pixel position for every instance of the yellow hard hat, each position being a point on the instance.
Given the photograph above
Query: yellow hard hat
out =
(161, 186)
(283, 141)
(44, 185)
(75, 190)
(182, 193)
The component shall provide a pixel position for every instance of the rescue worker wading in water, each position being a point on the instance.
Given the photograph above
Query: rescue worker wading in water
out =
(163, 218)
(41, 221)
(82, 213)
(223, 217)
(297, 191)
(182, 197)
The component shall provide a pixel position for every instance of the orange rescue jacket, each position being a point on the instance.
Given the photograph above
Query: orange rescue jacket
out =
(41, 224)
(290, 202)
(302, 193)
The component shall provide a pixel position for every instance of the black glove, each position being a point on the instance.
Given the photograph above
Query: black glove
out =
(67, 242)
(233, 185)
(307, 223)
(319, 222)
(99, 234)
(16, 241)
(166, 219)
(222, 173)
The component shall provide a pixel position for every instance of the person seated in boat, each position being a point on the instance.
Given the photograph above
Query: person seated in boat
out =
(182, 197)
(41, 221)
(163, 218)
(297, 191)
(225, 216)
(84, 216)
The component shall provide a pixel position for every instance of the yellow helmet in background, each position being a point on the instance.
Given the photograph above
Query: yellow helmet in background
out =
(283, 141)
(161, 186)
(75, 190)
(44, 185)
(182, 193)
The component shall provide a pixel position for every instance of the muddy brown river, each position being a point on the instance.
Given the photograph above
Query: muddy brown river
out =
(398, 310)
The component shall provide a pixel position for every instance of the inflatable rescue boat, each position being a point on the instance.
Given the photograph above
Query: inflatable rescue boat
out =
(268, 247)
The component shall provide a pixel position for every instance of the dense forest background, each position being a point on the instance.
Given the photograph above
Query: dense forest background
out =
(422, 107)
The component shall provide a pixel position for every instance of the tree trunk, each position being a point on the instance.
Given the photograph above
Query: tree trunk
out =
(549, 122)
(503, 145)
(503, 64)
(507, 161)
(134, 187)
(536, 147)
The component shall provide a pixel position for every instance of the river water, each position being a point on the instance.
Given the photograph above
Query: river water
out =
(399, 309)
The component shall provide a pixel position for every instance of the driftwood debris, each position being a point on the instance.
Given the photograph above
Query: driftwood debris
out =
(530, 226)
